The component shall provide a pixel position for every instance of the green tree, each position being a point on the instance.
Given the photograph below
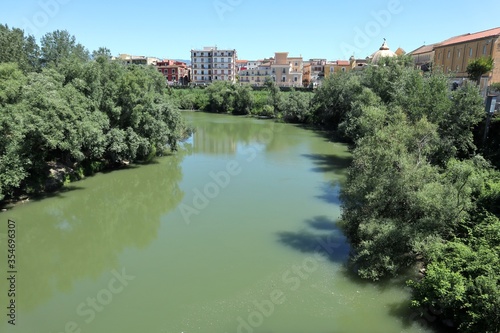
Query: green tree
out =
(333, 100)
(275, 98)
(59, 46)
(102, 52)
(296, 107)
(478, 67)
(17, 48)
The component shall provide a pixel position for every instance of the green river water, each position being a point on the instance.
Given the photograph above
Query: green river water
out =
(235, 233)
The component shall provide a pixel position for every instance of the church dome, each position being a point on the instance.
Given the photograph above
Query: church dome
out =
(384, 51)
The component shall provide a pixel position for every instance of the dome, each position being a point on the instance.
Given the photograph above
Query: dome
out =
(384, 51)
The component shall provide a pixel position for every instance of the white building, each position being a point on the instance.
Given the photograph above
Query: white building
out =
(211, 64)
(256, 76)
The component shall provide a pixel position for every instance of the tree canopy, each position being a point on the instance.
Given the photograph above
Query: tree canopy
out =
(62, 107)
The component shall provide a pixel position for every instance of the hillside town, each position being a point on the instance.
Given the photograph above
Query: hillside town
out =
(210, 64)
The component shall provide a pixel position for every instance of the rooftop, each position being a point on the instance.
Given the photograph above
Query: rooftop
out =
(424, 49)
(495, 32)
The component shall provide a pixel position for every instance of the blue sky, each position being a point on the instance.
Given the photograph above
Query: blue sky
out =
(256, 29)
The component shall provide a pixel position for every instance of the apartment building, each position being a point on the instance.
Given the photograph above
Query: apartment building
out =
(454, 54)
(287, 71)
(337, 66)
(306, 74)
(175, 72)
(211, 64)
(317, 69)
(255, 76)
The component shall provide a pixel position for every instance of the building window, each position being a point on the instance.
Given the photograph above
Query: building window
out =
(295, 78)
(484, 49)
(343, 69)
(449, 54)
(284, 71)
(283, 78)
(228, 59)
(458, 54)
(331, 69)
(439, 56)
(296, 63)
(470, 52)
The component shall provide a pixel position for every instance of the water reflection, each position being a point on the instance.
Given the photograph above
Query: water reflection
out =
(80, 234)
(223, 135)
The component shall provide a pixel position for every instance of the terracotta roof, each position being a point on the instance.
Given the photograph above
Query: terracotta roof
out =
(469, 37)
(424, 49)
(343, 62)
(242, 61)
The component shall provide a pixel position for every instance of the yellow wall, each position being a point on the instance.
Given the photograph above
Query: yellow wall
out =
(455, 58)
(334, 68)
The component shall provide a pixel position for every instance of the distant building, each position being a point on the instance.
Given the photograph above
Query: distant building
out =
(211, 64)
(400, 52)
(383, 52)
(137, 60)
(175, 72)
(454, 54)
(287, 71)
(337, 66)
(317, 69)
(306, 74)
(256, 76)
(423, 57)
(241, 64)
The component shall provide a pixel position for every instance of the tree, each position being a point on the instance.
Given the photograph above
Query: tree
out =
(59, 46)
(101, 52)
(275, 99)
(86, 115)
(333, 100)
(296, 107)
(18, 48)
(478, 67)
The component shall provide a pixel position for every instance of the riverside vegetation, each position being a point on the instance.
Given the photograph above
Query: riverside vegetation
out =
(422, 190)
(62, 108)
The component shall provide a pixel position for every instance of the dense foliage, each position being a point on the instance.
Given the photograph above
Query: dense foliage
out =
(225, 97)
(57, 107)
(417, 191)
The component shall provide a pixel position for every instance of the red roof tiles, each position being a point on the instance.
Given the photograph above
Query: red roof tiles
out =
(469, 37)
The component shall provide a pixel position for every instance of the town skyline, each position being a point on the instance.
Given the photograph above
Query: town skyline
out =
(255, 29)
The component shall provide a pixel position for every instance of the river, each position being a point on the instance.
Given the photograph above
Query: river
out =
(234, 233)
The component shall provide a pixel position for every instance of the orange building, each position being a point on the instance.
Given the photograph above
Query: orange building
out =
(454, 54)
